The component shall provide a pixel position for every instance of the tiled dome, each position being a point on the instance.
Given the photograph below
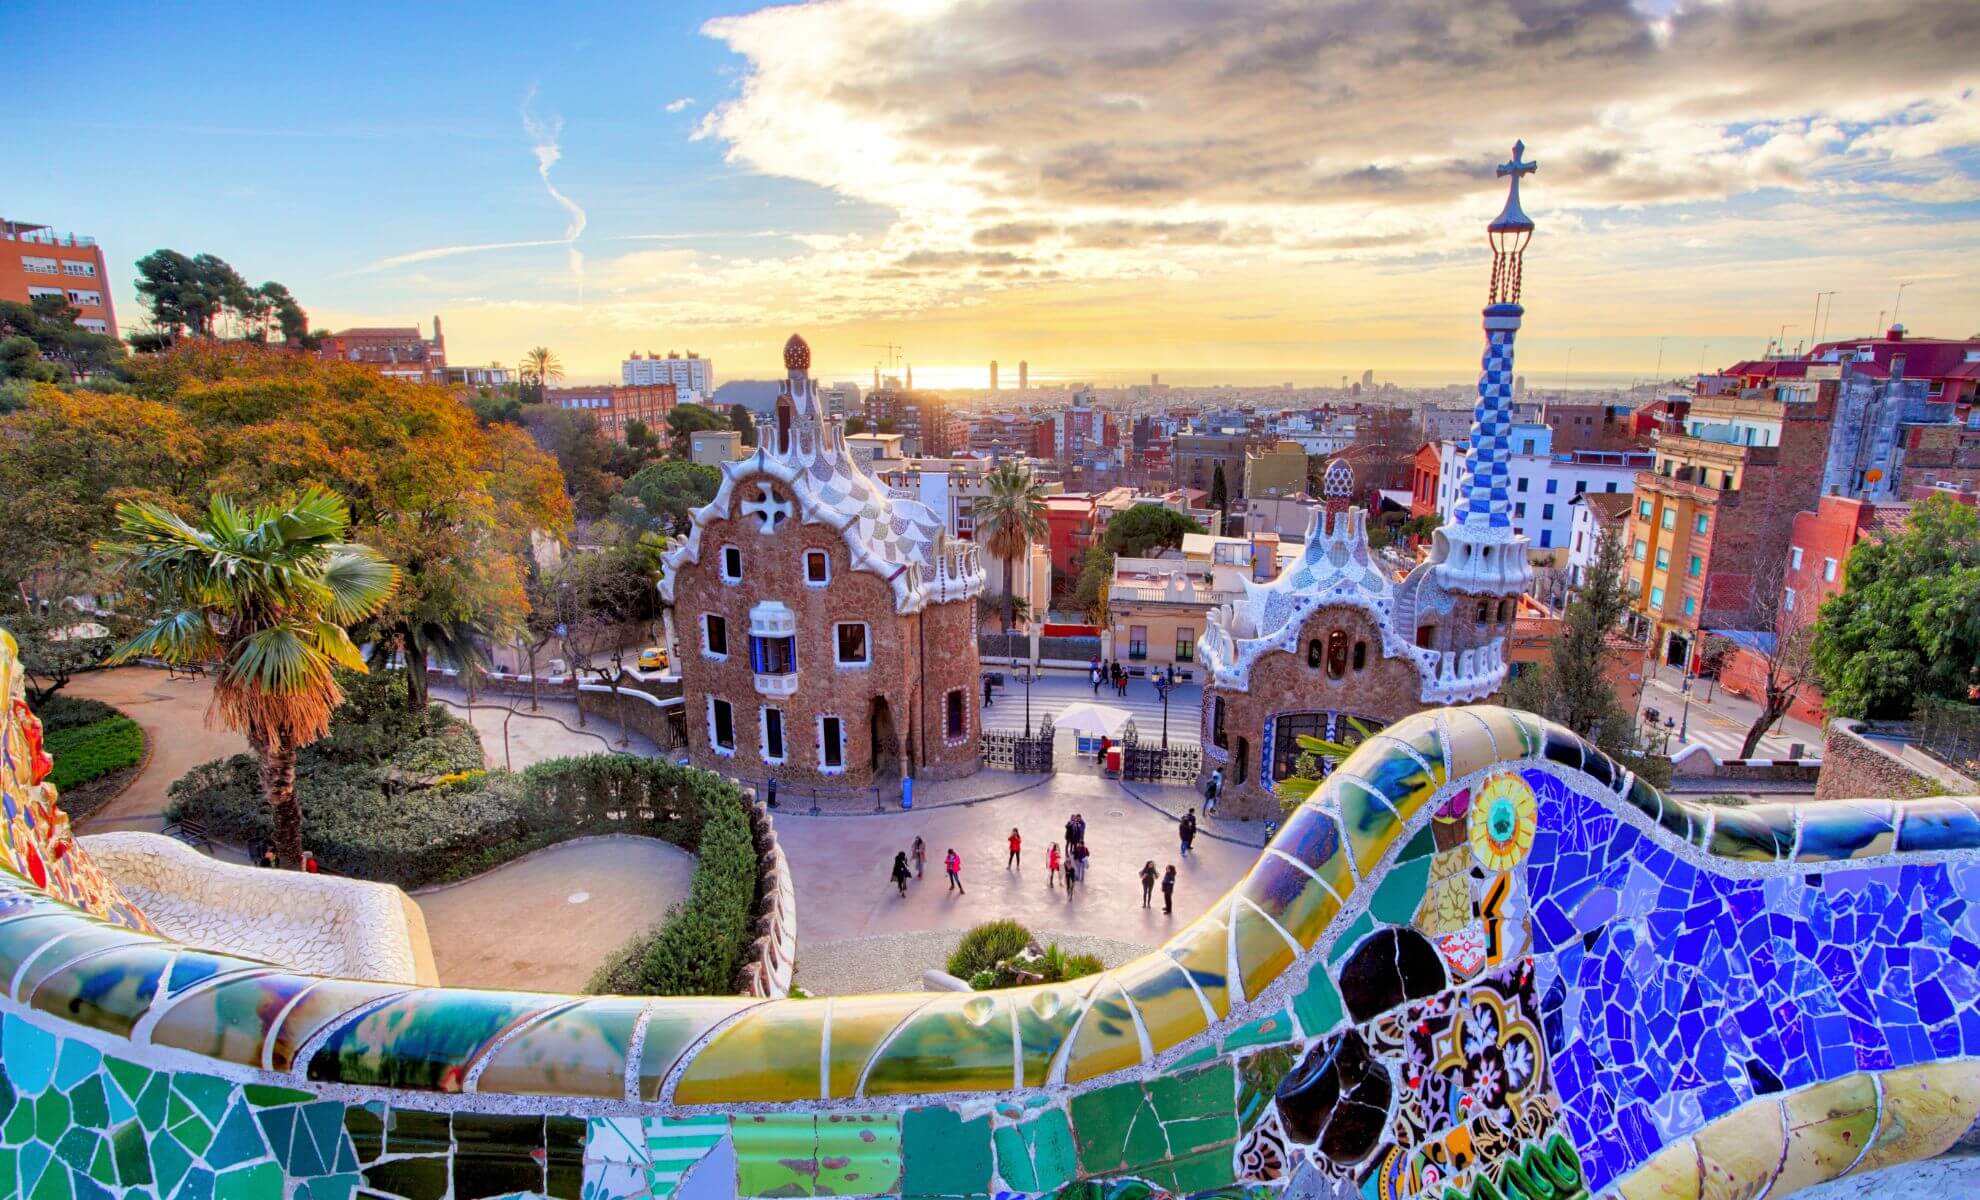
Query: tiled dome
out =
(797, 354)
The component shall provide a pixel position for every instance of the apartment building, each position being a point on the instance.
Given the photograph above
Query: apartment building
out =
(692, 376)
(1719, 506)
(921, 418)
(1543, 482)
(616, 408)
(36, 261)
(396, 352)
(1195, 457)
(1275, 470)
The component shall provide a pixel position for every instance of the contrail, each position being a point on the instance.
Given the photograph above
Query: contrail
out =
(544, 137)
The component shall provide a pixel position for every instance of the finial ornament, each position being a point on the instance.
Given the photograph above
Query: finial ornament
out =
(1510, 231)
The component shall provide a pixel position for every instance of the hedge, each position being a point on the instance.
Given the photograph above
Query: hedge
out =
(87, 752)
(72, 712)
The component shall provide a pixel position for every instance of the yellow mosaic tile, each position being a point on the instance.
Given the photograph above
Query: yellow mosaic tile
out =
(676, 1024)
(1263, 953)
(858, 1025)
(1046, 1017)
(1106, 1040)
(1471, 742)
(1926, 1109)
(1204, 950)
(768, 1054)
(957, 1042)
(1671, 1175)
(1828, 1125)
(1170, 1011)
(1740, 1153)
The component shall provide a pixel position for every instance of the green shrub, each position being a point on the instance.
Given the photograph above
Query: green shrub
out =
(87, 752)
(986, 945)
(697, 950)
(60, 712)
(1078, 966)
(983, 981)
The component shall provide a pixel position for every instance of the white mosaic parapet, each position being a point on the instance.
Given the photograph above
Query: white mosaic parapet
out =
(317, 924)
(1462, 676)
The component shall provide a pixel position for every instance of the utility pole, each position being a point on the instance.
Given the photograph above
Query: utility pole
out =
(1659, 372)
(1898, 306)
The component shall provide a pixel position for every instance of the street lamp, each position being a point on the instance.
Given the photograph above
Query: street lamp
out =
(1023, 676)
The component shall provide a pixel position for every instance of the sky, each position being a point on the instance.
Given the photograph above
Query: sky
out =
(1211, 189)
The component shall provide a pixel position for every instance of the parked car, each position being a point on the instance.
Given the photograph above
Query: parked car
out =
(653, 658)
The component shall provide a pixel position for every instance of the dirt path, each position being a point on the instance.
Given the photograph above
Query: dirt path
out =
(173, 716)
(545, 923)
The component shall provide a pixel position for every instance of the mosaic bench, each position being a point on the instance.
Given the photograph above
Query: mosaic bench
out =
(1482, 963)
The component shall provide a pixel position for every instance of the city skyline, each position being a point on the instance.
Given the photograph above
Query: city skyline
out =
(1097, 195)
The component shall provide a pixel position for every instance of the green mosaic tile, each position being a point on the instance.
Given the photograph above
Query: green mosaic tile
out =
(563, 1167)
(330, 1187)
(1401, 892)
(1195, 1107)
(236, 1141)
(78, 1147)
(169, 1162)
(198, 1185)
(206, 1093)
(413, 1131)
(34, 1159)
(9, 1182)
(1037, 1155)
(278, 1126)
(133, 1157)
(1318, 1005)
(53, 1184)
(103, 1165)
(943, 1154)
(1115, 1130)
(1265, 1031)
(859, 1154)
(1201, 1054)
(1361, 927)
(324, 1123)
(259, 1182)
(1421, 846)
(1258, 1080)
(262, 1095)
(776, 1154)
(78, 1061)
(19, 1126)
(87, 1106)
(51, 1116)
(153, 1101)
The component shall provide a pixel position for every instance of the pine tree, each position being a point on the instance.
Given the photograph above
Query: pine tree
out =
(1220, 493)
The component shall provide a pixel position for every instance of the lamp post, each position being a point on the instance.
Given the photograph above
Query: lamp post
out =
(1168, 681)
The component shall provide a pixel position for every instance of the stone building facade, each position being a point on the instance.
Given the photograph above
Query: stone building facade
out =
(824, 630)
(1337, 636)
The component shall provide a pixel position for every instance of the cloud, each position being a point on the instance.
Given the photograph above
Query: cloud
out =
(545, 143)
(680, 105)
(1139, 128)
(420, 256)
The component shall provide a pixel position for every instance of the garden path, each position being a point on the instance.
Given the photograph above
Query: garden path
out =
(172, 713)
(545, 923)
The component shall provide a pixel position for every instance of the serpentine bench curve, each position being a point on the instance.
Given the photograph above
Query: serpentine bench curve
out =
(1483, 961)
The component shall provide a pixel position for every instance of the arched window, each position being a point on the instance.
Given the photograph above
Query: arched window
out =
(1484, 611)
(1313, 654)
(1218, 737)
(1505, 611)
(1360, 655)
(1337, 654)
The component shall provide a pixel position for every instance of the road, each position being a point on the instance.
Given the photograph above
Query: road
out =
(1056, 690)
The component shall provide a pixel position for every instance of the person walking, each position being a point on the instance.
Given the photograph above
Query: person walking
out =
(1187, 831)
(1017, 845)
(986, 691)
(1052, 867)
(1169, 890)
(1072, 831)
(1079, 860)
(1094, 671)
(953, 862)
(920, 855)
(901, 873)
(1072, 874)
(1079, 828)
(1148, 874)
(1213, 787)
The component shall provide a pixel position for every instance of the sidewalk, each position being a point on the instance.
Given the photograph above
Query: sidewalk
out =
(1719, 720)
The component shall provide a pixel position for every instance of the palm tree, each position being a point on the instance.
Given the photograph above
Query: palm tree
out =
(539, 367)
(266, 594)
(1009, 517)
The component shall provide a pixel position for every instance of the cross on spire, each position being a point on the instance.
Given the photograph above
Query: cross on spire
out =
(1517, 166)
(1513, 217)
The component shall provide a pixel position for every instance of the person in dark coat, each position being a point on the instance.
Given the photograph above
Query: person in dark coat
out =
(1187, 831)
(1169, 890)
(901, 872)
(1148, 874)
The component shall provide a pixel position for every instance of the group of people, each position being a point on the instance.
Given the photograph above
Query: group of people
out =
(1072, 863)
(1112, 674)
(1068, 864)
(905, 870)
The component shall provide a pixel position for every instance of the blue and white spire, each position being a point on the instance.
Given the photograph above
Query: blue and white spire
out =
(1480, 551)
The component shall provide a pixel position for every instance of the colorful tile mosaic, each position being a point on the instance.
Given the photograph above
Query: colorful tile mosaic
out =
(1537, 979)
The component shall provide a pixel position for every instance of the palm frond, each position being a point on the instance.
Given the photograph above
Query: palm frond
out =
(330, 640)
(181, 637)
(357, 581)
(279, 660)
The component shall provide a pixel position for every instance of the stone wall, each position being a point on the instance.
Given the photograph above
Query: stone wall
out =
(1854, 766)
(645, 711)
(773, 955)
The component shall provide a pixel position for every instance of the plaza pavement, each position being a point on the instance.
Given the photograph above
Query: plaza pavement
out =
(1055, 689)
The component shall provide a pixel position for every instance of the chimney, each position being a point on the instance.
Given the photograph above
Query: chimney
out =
(1895, 333)
(436, 329)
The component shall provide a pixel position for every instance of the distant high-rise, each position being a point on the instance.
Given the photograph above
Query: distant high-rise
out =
(1154, 379)
(993, 374)
(693, 376)
(1519, 385)
(1368, 378)
(1024, 374)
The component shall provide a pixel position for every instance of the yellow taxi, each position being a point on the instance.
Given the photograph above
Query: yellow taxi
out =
(653, 658)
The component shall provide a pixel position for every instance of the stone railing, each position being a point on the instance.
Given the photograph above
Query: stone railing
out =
(772, 957)
(1479, 933)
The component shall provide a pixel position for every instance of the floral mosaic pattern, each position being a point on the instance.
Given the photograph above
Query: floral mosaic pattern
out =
(1483, 962)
